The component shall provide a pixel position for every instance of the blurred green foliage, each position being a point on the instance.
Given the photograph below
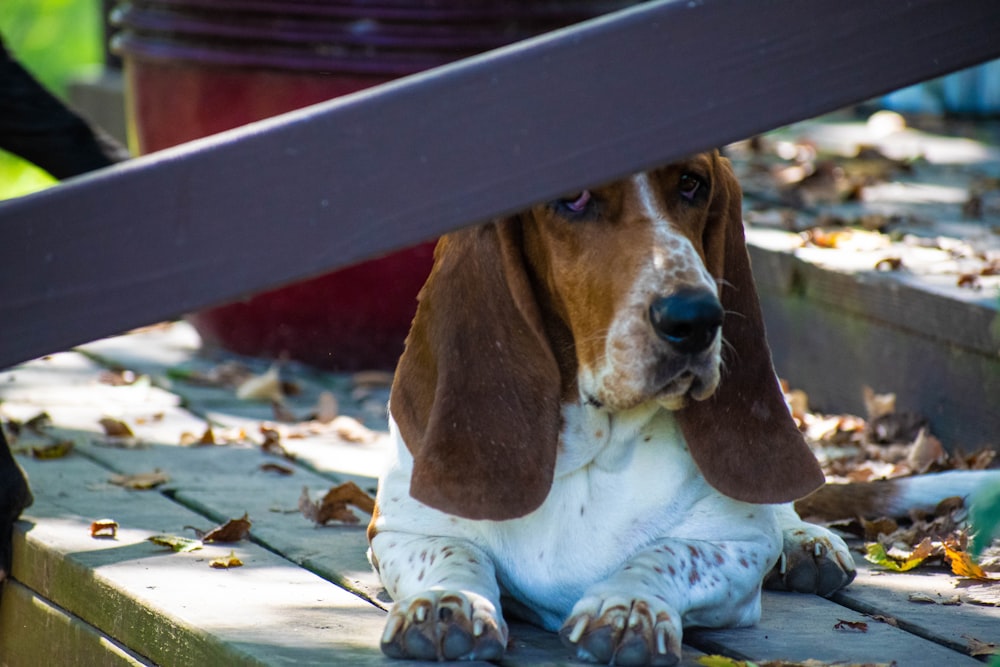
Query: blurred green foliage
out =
(52, 39)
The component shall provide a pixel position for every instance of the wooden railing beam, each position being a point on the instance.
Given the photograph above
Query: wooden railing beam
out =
(357, 177)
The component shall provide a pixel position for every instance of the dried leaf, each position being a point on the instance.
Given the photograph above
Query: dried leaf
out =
(969, 281)
(987, 595)
(106, 528)
(264, 387)
(115, 428)
(978, 647)
(850, 626)
(272, 443)
(963, 565)
(927, 451)
(888, 620)
(921, 598)
(352, 430)
(307, 506)
(208, 437)
(226, 562)
(889, 264)
(334, 506)
(873, 529)
(276, 467)
(233, 530)
(39, 423)
(176, 542)
(117, 378)
(142, 481)
(878, 405)
(55, 450)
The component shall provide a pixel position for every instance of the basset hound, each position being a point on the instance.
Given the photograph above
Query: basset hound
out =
(588, 427)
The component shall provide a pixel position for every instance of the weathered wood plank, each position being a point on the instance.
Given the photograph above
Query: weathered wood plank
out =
(174, 608)
(33, 631)
(888, 594)
(357, 177)
(798, 627)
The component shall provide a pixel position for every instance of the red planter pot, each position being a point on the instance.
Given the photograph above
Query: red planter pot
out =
(197, 67)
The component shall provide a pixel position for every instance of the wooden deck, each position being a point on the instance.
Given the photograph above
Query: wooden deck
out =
(305, 594)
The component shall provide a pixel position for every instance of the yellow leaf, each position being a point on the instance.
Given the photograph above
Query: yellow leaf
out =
(55, 450)
(226, 562)
(963, 565)
(877, 555)
(723, 661)
(176, 542)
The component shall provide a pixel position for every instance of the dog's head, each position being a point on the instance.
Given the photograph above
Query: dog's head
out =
(632, 292)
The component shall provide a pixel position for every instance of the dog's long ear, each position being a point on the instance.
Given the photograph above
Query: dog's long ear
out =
(476, 392)
(743, 437)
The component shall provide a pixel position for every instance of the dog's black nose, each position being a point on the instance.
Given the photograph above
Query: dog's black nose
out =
(687, 319)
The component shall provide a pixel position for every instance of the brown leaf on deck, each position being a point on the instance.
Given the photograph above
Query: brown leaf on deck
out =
(272, 443)
(116, 428)
(873, 529)
(233, 530)
(926, 452)
(352, 430)
(142, 481)
(117, 378)
(208, 437)
(978, 647)
(276, 467)
(104, 528)
(334, 505)
(850, 626)
(888, 620)
(878, 405)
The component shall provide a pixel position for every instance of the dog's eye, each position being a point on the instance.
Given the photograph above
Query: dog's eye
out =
(576, 203)
(689, 186)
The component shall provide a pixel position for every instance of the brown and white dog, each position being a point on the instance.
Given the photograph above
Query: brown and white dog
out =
(588, 425)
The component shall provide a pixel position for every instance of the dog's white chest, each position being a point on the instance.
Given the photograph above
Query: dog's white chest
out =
(620, 484)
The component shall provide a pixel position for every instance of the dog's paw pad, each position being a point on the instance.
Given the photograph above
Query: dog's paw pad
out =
(445, 625)
(623, 632)
(813, 560)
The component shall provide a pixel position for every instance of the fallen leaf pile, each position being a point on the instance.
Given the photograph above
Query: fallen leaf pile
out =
(890, 443)
(37, 436)
(802, 187)
(334, 505)
(887, 443)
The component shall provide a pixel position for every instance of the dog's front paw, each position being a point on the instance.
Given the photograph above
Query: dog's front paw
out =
(813, 560)
(445, 625)
(619, 630)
